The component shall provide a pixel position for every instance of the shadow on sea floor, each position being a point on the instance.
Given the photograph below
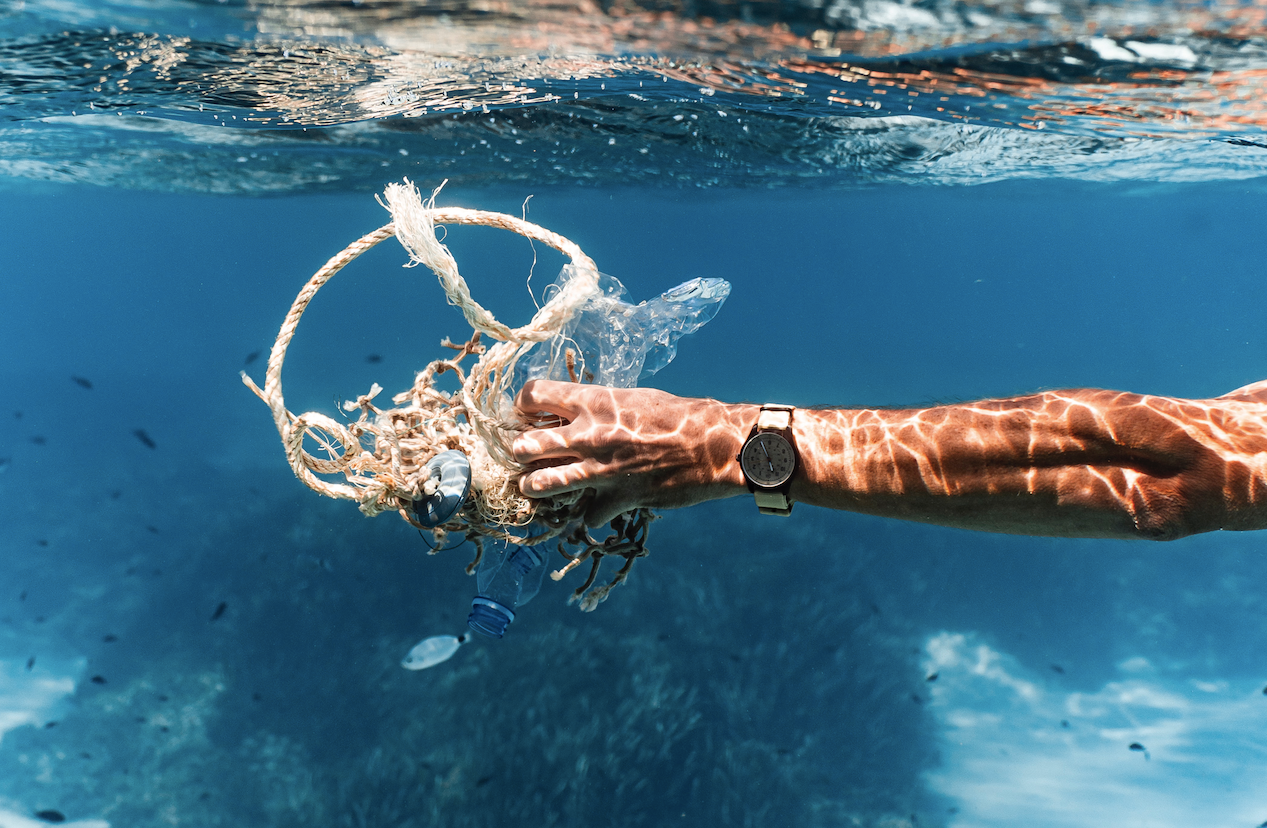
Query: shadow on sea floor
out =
(253, 676)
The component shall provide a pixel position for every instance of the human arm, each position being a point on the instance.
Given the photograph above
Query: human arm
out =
(1082, 462)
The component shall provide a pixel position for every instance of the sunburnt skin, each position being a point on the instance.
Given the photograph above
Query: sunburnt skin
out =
(1078, 463)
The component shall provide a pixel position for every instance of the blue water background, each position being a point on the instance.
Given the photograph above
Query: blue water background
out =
(790, 658)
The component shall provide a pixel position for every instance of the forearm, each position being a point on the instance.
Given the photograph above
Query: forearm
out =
(1084, 463)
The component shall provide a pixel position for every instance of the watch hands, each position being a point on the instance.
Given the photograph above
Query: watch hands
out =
(767, 455)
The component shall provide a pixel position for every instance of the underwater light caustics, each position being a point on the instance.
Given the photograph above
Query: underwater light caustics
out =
(326, 96)
(443, 461)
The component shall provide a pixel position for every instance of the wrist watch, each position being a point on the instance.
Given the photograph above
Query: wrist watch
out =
(768, 459)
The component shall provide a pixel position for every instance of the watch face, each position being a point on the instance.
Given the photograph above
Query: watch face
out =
(767, 459)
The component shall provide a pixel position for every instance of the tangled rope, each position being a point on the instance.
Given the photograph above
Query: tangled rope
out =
(383, 453)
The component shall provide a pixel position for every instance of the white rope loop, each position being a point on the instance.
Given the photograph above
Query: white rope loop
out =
(307, 466)
(390, 476)
(415, 224)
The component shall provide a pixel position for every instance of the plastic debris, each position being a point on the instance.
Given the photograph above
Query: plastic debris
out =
(432, 651)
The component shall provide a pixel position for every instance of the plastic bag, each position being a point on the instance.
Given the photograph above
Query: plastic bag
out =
(615, 343)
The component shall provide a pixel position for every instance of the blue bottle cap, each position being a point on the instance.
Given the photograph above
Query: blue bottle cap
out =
(489, 617)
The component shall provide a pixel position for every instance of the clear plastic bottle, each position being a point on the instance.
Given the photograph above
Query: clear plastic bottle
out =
(508, 578)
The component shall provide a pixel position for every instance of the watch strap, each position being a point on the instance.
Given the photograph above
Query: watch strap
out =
(774, 417)
(772, 502)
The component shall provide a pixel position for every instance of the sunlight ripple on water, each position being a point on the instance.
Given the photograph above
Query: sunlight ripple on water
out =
(279, 96)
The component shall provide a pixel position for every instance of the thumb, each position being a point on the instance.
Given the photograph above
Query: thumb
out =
(602, 508)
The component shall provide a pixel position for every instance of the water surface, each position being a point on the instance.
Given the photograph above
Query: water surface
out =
(1082, 210)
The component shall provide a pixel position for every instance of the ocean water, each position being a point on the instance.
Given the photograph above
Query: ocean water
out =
(188, 636)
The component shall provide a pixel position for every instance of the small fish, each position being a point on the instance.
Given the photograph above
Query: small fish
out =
(22, 597)
(98, 679)
(144, 438)
(82, 382)
(17, 415)
(931, 677)
(1136, 746)
(374, 359)
(152, 530)
(251, 357)
(51, 816)
(30, 663)
(219, 610)
(42, 542)
(1056, 668)
(39, 440)
(4, 463)
(110, 638)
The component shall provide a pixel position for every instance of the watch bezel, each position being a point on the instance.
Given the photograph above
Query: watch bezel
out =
(753, 483)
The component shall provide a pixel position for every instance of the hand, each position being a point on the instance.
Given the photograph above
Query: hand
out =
(634, 447)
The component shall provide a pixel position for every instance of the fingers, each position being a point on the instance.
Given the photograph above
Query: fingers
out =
(585, 408)
(570, 478)
(557, 479)
(542, 444)
(603, 508)
(550, 396)
(576, 404)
